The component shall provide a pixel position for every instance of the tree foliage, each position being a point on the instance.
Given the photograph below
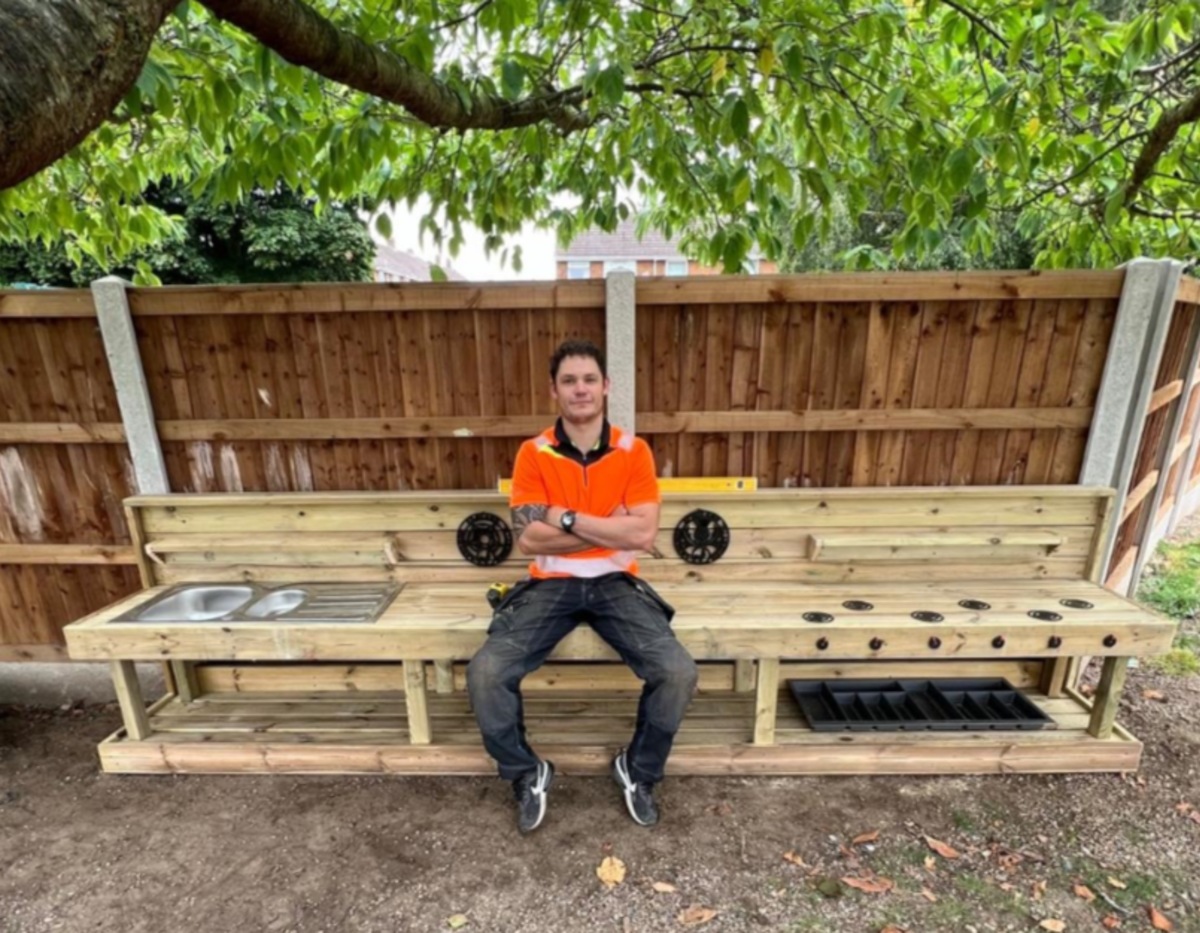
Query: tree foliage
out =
(1069, 125)
(270, 237)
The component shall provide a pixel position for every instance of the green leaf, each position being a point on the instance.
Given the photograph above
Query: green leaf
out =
(1114, 207)
(512, 79)
(437, 273)
(959, 167)
(383, 223)
(739, 118)
(610, 82)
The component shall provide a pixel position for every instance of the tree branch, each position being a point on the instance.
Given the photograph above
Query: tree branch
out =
(64, 70)
(1159, 140)
(303, 37)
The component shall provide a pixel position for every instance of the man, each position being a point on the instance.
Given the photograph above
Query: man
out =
(585, 501)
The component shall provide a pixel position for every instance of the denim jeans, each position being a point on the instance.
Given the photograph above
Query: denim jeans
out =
(535, 616)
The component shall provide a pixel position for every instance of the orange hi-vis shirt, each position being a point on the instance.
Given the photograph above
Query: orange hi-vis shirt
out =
(619, 470)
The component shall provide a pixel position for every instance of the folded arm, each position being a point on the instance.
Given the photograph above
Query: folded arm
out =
(538, 532)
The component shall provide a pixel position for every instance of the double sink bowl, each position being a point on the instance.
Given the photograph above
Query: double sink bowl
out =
(249, 602)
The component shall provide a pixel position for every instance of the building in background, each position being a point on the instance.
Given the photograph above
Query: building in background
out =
(595, 254)
(396, 265)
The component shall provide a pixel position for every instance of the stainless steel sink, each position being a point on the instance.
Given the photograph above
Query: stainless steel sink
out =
(251, 602)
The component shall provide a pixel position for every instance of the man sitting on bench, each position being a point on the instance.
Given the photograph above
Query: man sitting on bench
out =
(585, 501)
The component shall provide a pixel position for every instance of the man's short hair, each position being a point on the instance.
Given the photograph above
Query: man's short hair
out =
(577, 348)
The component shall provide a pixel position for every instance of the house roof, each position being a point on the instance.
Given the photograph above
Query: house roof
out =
(623, 243)
(409, 267)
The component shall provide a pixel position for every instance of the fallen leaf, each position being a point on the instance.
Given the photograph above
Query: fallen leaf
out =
(870, 885)
(1111, 923)
(846, 852)
(1154, 695)
(696, 915)
(719, 809)
(829, 887)
(1157, 920)
(1054, 926)
(1194, 816)
(611, 871)
(929, 895)
(1117, 883)
(791, 856)
(1082, 890)
(890, 928)
(941, 848)
(1005, 886)
(1088, 690)
(1183, 807)
(662, 887)
(864, 838)
(930, 864)
(1039, 890)
(457, 922)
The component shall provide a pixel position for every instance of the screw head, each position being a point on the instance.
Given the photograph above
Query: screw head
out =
(1110, 641)
(876, 644)
(998, 641)
(822, 644)
(1055, 641)
(935, 643)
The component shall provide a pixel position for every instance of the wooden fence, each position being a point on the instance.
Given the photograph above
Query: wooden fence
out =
(832, 380)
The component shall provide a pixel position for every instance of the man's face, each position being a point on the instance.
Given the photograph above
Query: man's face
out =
(579, 389)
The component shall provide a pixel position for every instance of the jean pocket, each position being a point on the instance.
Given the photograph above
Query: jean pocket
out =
(649, 595)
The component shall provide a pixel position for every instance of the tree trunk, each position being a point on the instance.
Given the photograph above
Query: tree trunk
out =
(65, 65)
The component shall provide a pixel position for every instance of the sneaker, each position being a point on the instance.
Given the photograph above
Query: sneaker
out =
(639, 797)
(531, 790)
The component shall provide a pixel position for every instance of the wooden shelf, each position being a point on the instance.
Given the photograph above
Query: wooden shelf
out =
(332, 733)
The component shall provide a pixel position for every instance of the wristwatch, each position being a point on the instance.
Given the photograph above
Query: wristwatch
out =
(567, 522)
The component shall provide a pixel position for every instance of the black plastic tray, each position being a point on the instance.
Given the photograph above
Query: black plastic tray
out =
(941, 704)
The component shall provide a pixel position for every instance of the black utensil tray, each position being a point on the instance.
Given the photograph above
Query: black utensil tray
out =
(938, 704)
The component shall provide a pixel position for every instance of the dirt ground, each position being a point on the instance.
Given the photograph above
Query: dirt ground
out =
(80, 850)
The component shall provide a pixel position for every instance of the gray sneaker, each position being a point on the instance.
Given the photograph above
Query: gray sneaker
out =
(531, 791)
(639, 796)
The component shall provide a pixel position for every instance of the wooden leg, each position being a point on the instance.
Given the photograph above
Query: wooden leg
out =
(129, 695)
(444, 676)
(1108, 697)
(743, 675)
(766, 701)
(187, 688)
(419, 732)
(1054, 677)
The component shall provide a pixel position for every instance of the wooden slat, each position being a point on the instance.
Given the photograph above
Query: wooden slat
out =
(766, 702)
(50, 303)
(1165, 395)
(321, 298)
(66, 554)
(880, 286)
(129, 696)
(1139, 494)
(55, 432)
(1188, 291)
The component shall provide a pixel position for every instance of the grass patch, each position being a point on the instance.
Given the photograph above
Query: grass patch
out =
(963, 821)
(1178, 662)
(1175, 587)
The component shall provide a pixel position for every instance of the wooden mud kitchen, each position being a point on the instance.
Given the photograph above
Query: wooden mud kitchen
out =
(329, 633)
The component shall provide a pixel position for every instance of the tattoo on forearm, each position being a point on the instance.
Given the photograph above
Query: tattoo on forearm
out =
(525, 515)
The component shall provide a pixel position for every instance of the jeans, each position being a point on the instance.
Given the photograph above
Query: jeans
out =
(535, 616)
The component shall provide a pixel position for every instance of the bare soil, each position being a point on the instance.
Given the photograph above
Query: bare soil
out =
(81, 850)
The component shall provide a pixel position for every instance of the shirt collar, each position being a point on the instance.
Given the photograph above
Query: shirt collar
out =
(562, 440)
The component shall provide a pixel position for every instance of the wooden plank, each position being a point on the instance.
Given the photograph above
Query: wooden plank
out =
(744, 676)
(1108, 697)
(49, 303)
(952, 382)
(1031, 380)
(129, 696)
(880, 332)
(1188, 291)
(340, 298)
(66, 554)
(1164, 395)
(934, 326)
(61, 432)
(34, 652)
(419, 730)
(880, 286)
(901, 373)
(1139, 494)
(796, 391)
(766, 701)
(444, 676)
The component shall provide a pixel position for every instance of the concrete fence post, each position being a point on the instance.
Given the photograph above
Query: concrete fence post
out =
(620, 323)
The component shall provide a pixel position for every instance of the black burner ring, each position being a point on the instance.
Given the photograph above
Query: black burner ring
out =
(975, 605)
(1043, 615)
(1076, 604)
(857, 605)
(923, 616)
(818, 617)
